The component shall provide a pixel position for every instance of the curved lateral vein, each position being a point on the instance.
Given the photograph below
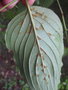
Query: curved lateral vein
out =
(40, 21)
(17, 46)
(49, 68)
(13, 20)
(28, 47)
(14, 34)
(22, 45)
(47, 16)
(21, 48)
(50, 48)
(55, 67)
(21, 35)
(48, 36)
(9, 33)
(41, 76)
(32, 65)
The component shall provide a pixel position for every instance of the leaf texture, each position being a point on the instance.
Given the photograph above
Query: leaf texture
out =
(38, 50)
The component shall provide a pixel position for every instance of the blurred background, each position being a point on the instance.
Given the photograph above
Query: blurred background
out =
(10, 78)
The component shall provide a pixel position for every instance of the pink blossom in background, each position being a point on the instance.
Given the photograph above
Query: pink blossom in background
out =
(5, 2)
(1, 5)
(31, 2)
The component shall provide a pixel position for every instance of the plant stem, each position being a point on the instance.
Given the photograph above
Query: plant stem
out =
(63, 19)
(34, 29)
(7, 5)
(32, 21)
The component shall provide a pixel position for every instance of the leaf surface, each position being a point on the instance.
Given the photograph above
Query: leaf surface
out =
(38, 47)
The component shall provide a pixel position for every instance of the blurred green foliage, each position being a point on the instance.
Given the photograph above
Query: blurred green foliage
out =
(8, 85)
(64, 84)
(45, 3)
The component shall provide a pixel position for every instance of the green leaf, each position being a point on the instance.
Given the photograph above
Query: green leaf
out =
(45, 3)
(65, 51)
(36, 38)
